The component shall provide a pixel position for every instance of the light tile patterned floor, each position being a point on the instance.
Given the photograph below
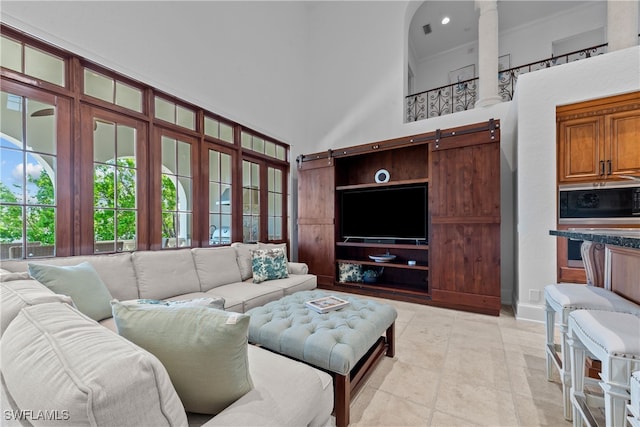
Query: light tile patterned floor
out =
(453, 368)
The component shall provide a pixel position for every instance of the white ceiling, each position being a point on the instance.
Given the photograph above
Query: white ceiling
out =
(463, 27)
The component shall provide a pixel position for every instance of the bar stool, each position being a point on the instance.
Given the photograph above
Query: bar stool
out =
(613, 338)
(633, 409)
(563, 298)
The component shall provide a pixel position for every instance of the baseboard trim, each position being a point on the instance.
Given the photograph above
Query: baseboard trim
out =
(533, 313)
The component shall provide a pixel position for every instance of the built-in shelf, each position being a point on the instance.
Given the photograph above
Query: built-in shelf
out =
(423, 267)
(384, 245)
(386, 184)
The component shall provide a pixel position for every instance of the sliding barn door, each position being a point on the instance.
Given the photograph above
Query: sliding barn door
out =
(465, 222)
(316, 218)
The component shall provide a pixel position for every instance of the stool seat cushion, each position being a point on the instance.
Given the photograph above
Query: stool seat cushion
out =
(614, 334)
(334, 341)
(565, 298)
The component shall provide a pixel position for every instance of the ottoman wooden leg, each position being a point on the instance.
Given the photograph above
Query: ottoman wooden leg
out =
(391, 340)
(342, 399)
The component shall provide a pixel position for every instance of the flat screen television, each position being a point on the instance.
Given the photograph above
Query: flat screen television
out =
(384, 213)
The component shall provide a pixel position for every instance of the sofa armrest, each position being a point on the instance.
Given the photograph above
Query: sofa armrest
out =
(298, 268)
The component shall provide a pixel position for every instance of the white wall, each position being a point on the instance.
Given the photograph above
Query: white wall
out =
(243, 60)
(538, 94)
(525, 44)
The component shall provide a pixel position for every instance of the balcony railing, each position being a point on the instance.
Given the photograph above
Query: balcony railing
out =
(463, 95)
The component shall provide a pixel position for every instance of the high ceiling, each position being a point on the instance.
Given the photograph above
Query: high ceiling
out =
(463, 27)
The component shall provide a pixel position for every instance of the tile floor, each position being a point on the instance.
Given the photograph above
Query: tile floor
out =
(453, 368)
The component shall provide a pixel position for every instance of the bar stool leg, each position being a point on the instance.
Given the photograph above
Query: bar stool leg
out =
(565, 372)
(550, 327)
(577, 352)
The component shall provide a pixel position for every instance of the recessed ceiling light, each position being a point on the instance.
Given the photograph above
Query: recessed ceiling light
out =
(445, 20)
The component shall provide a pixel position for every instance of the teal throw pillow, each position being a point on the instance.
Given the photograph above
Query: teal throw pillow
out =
(203, 349)
(268, 264)
(81, 282)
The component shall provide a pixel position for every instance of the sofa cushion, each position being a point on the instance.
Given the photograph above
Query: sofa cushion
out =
(251, 294)
(164, 274)
(294, 283)
(7, 276)
(18, 294)
(203, 349)
(216, 266)
(282, 246)
(243, 258)
(268, 264)
(81, 282)
(286, 393)
(75, 365)
(115, 270)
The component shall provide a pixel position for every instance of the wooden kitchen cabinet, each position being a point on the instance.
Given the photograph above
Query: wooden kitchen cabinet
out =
(598, 139)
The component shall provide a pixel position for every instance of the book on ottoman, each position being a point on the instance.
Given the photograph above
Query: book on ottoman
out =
(326, 304)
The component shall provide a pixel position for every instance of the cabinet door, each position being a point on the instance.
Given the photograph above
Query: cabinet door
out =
(581, 150)
(623, 130)
(316, 218)
(465, 226)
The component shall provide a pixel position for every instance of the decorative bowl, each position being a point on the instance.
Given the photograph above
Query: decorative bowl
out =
(382, 257)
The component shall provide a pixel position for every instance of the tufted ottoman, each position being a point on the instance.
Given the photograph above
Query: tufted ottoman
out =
(347, 342)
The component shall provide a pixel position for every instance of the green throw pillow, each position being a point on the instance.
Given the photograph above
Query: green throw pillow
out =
(268, 264)
(203, 349)
(81, 282)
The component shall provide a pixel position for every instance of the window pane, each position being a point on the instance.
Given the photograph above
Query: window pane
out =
(169, 154)
(98, 86)
(270, 148)
(258, 144)
(214, 197)
(165, 110)
(246, 140)
(126, 190)
(226, 133)
(186, 117)
(104, 230)
(184, 159)
(39, 173)
(126, 227)
(281, 153)
(11, 54)
(43, 66)
(27, 188)
(214, 165)
(104, 141)
(126, 146)
(211, 127)
(128, 97)
(41, 127)
(184, 194)
(38, 232)
(104, 181)
(225, 168)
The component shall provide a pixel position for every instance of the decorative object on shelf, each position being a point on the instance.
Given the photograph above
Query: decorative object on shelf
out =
(383, 257)
(411, 262)
(349, 272)
(382, 176)
(370, 276)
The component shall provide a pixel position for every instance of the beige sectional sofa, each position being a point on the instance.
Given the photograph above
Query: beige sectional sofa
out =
(285, 392)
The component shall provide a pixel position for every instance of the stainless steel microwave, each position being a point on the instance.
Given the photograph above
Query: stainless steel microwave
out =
(584, 204)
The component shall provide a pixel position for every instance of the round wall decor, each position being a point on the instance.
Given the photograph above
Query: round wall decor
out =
(382, 176)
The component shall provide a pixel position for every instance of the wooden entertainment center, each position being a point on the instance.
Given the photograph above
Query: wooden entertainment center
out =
(457, 265)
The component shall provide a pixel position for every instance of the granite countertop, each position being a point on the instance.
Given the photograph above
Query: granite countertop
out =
(625, 237)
